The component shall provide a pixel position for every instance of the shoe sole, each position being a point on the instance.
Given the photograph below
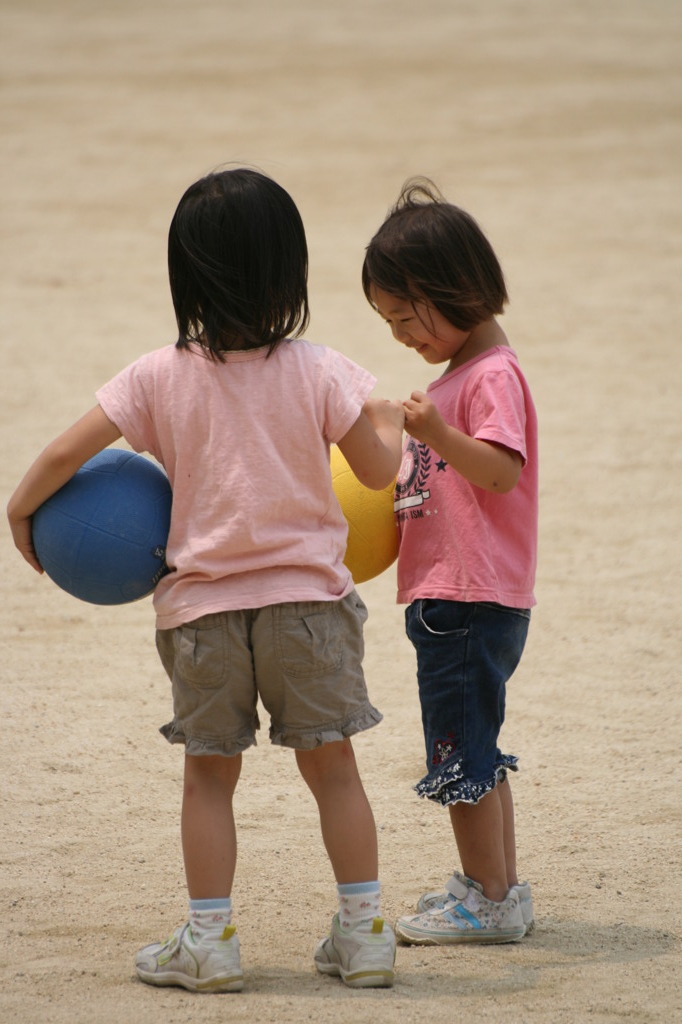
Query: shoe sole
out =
(420, 938)
(358, 979)
(383, 979)
(234, 983)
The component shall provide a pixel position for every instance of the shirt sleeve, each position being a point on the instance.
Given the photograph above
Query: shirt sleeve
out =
(127, 399)
(498, 411)
(348, 386)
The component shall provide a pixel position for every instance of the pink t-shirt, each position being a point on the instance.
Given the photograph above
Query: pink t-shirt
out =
(245, 444)
(459, 542)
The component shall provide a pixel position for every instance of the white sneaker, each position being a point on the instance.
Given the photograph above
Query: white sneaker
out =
(204, 966)
(434, 900)
(526, 901)
(465, 916)
(362, 956)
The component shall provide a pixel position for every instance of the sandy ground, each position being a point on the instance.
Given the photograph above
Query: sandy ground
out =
(558, 126)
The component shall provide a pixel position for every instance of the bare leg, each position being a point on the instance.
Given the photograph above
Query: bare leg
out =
(479, 833)
(346, 818)
(504, 789)
(209, 839)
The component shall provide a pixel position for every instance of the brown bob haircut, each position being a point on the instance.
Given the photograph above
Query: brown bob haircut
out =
(428, 250)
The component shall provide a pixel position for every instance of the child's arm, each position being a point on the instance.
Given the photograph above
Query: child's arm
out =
(373, 445)
(484, 464)
(52, 469)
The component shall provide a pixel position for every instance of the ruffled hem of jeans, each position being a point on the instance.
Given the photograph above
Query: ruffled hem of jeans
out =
(309, 739)
(449, 786)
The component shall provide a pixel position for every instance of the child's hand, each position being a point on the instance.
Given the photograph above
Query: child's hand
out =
(23, 539)
(422, 419)
(51, 470)
(373, 445)
(383, 412)
(483, 463)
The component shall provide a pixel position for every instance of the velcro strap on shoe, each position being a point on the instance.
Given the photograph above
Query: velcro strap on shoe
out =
(457, 888)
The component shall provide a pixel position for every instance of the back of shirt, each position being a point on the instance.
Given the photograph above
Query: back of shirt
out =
(245, 444)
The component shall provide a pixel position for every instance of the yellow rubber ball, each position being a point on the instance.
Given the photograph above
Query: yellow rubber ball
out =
(372, 533)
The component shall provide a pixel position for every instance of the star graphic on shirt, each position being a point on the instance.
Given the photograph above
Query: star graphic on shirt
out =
(440, 466)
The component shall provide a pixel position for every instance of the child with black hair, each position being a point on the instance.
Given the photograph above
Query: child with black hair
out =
(466, 504)
(241, 413)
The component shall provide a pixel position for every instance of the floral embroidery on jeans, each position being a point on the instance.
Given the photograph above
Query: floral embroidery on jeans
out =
(443, 749)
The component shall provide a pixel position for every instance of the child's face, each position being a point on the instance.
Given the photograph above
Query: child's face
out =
(419, 326)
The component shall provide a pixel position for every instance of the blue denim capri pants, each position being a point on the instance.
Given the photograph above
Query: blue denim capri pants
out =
(466, 653)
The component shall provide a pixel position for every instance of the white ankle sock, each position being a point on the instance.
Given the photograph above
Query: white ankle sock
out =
(358, 901)
(209, 918)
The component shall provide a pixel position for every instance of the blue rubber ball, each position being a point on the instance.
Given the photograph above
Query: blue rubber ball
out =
(102, 537)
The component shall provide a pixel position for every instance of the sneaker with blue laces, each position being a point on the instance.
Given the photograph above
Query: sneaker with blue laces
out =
(363, 957)
(207, 965)
(433, 900)
(464, 916)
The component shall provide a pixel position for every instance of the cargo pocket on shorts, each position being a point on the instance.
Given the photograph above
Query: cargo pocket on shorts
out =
(201, 654)
(309, 639)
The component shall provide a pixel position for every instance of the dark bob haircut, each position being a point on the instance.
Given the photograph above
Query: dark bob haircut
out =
(428, 250)
(237, 264)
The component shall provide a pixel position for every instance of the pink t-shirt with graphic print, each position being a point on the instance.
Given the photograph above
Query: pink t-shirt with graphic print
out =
(459, 542)
(245, 444)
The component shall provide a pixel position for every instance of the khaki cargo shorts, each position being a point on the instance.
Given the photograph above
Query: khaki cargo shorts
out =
(303, 659)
